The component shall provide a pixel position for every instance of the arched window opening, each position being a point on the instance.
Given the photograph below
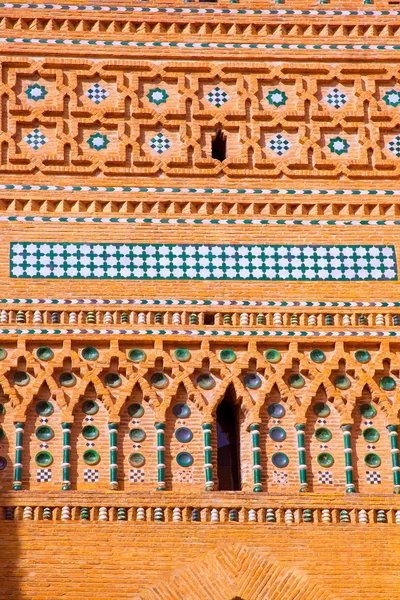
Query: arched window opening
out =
(228, 440)
(218, 145)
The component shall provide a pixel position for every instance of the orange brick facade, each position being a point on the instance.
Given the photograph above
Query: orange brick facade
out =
(199, 308)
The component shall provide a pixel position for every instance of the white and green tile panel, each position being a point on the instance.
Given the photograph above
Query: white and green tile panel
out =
(54, 260)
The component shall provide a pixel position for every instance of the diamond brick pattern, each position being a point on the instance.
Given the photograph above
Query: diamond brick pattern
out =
(35, 139)
(43, 475)
(91, 475)
(97, 93)
(220, 262)
(373, 477)
(160, 143)
(279, 144)
(217, 97)
(336, 98)
(136, 475)
(325, 477)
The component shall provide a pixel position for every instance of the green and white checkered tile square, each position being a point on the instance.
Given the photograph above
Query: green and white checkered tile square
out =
(202, 261)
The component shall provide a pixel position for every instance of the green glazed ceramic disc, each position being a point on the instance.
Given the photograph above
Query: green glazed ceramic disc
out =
(90, 432)
(342, 382)
(368, 411)
(182, 354)
(252, 381)
(2, 433)
(91, 457)
(159, 380)
(136, 355)
(44, 408)
(205, 381)
(387, 383)
(3, 463)
(277, 434)
(372, 460)
(296, 380)
(3, 353)
(323, 434)
(21, 378)
(112, 380)
(137, 435)
(227, 356)
(67, 379)
(324, 459)
(183, 435)
(44, 433)
(362, 356)
(370, 434)
(43, 459)
(276, 410)
(272, 356)
(90, 353)
(317, 356)
(280, 460)
(90, 407)
(184, 459)
(135, 410)
(181, 410)
(322, 410)
(136, 460)
(44, 353)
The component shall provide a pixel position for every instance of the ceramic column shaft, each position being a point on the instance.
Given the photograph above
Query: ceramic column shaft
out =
(301, 450)
(348, 458)
(255, 436)
(19, 436)
(113, 428)
(394, 443)
(160, 427)
(208, 456)
(66, 428)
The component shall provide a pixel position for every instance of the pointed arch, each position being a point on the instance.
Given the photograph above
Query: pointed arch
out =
(91, 377)
(240, 391)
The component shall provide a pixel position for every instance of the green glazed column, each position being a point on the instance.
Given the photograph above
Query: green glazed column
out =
(394, 443)
(255, 437)
(113, 428)
(19, 436)
(348, 458)
(301, 451)
(66, 429)
(208, 456)
(160, 427)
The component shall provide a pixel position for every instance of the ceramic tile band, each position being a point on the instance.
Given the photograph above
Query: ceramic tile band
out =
(194, 45)
(224, 262)
(197, 221)
(177, 302)
(200, 11)
(208, 191)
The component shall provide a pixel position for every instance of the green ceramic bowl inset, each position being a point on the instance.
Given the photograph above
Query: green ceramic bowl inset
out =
(184, 459)
(67, 379)
(227, 356)
(44, 408)
(159, 380)
(3, 353)
(136, 355)
(295, 380)
(321, 409)
(90, 353)
(252, 381)
(277, 434)
(206, 381)
(44, 433)
(362, 356)
(136, 460)
(2, 434)
(387, 383)
(3, 463)
(90, 407)
(112, 380)
(272, 356)
(44, 353)
(21, 378)
(342, 382)
(280, 460)
(90, 432)
(370, 434)
(91, 457)
(276, 410)
(182, 354)
(43, 459)
(181, 410)
(135, 410)
(323, 434)
(368, 411)
(372, 460)
(324, 459)
(137, 435)
(184, 435)
(317, 356)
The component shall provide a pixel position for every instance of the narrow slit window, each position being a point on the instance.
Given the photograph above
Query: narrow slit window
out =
(218, 146)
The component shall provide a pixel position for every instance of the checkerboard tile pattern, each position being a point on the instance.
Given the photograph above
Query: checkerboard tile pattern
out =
(160, 143)
(325, 477)
(373, 477)
(394, 146)
(336, 98)
(91, 475)
(217, 97)
(43, 475)
(279, 144)
(97, 93)
(219, 262)
(280, 477)
(185, 476)
(36, 139)
(136, 475)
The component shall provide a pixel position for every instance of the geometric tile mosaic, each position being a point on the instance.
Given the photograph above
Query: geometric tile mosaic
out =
(160, 143)
(90, 475)
(280, 477)
(136, 476)
(373, 477)
(336, 98)
(43, 475)
(279, 144)
(97, 93)
(325, 477)
(217, 97)
(53, 260)
(35, 139)
(394, 146)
